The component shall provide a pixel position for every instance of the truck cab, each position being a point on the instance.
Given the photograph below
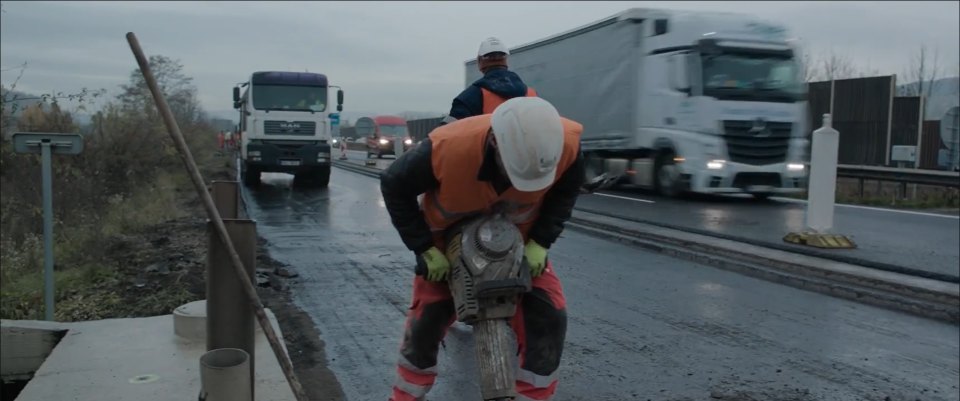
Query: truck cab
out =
(285, 125)
(383, 133)
(678, 101)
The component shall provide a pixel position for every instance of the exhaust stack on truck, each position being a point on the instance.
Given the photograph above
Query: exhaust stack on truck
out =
(678, 101)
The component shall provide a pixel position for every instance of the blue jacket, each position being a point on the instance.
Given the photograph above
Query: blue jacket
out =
(499, 80)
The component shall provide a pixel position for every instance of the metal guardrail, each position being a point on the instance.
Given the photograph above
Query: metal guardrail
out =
(902, 175)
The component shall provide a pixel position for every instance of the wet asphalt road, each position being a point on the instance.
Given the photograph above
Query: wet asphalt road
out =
(922, 241)
(642, 326)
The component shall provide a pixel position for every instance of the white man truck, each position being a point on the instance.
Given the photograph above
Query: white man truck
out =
(285, 125)
(678, 101)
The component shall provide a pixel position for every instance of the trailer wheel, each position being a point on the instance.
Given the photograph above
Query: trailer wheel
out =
(592, 166)
(667, 175)
(321, 177)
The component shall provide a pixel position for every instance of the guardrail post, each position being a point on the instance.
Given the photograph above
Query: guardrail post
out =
(230, 320)
(226, 197)
(822, 192)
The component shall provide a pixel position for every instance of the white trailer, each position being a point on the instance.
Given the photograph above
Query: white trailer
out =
(678, 101)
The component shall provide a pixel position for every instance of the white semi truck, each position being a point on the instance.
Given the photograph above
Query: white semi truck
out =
(285, 125)
(678, 101)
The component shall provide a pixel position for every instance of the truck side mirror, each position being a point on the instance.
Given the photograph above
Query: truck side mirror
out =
(339, 99)
(236, 95)
(678, 73)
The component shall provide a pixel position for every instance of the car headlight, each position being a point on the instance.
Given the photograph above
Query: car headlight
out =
(335, 141)
(253, 153)
(384, 141)
(408, 142)
(716, 164)
(795, 167)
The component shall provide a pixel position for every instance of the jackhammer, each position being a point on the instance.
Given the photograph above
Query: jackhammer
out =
(488, 274)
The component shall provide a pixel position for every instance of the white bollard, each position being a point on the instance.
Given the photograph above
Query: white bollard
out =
(823, 177)
(398, 147)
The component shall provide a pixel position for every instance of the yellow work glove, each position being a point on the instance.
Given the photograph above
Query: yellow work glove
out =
(536, 257)
(437, 264)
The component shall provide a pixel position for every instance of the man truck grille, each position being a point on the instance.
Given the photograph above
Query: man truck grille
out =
(273, 127)
(757, 143)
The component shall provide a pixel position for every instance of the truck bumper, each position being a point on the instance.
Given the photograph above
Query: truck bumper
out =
(741, 178)
(284, 158)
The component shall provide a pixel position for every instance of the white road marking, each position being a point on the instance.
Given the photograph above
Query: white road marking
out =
(880, 209)
(625, 197)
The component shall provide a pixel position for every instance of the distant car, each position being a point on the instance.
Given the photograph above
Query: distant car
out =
(388, 129)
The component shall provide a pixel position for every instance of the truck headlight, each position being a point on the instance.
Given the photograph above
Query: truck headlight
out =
(384, 141)
(795, 167)
(335, 141)
(716, 164)
(408, 142)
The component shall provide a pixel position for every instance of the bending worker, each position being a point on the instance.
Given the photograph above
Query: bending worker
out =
(497, 85)
(525, 158)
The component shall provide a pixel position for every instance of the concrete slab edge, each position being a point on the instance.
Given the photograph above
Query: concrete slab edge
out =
(910, 299)
(356, 168)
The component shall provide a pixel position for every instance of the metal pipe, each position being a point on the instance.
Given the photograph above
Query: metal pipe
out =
(251, 293)
(230, 324)
(46, 163)
(223, 375)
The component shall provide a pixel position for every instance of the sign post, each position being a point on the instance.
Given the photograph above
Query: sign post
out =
(47, 144)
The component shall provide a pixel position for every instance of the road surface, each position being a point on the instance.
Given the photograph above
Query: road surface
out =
(925, 242)
(642, 326)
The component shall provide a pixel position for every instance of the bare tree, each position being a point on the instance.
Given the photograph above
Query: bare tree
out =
(807, 64)
(922, 75)
(836, 66)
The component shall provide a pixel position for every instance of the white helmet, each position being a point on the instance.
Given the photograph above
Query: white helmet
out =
(492, 45)
(529, 137)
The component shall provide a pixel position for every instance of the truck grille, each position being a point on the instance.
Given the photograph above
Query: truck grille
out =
(746, 180)
(766, 144)
(273, 127)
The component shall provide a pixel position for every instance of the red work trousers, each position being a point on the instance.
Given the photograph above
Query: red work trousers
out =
(540, 325)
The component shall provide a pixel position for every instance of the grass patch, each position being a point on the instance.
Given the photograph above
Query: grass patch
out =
(101, 267)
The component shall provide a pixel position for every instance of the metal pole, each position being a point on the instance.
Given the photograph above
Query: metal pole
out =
(47, 229)
(230, 324)
(226, 196)
(249, 290)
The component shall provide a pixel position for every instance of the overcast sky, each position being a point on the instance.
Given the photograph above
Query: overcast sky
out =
(392, 57)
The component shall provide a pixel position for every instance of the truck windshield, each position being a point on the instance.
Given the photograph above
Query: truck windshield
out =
(751, 77)
(292, 98)
(393, 130)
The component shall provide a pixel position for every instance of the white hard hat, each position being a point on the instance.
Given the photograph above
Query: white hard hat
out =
(529, 137)
(492, 45)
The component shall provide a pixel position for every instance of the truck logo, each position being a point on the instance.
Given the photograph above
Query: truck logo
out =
(289, 125)
(760, 129)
